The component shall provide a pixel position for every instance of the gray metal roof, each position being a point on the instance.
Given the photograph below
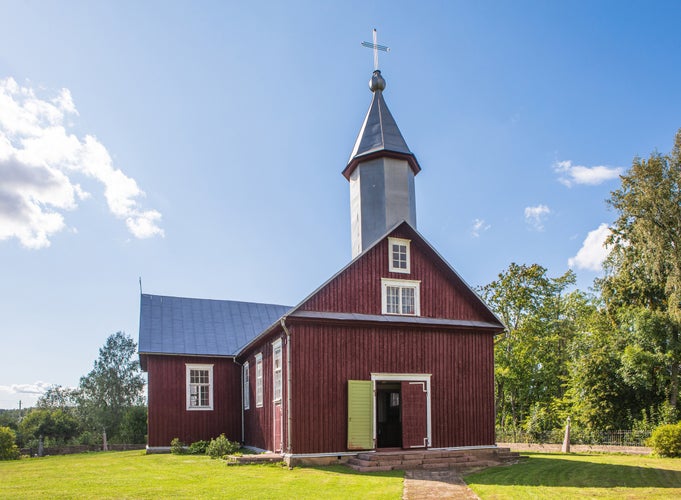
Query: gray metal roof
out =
(179, 325)
(379, 131)
(382, 318)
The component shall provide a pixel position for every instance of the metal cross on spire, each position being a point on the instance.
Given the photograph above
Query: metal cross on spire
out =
(376, 48)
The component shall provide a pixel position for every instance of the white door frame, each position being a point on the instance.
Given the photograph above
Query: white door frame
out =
(403, 377)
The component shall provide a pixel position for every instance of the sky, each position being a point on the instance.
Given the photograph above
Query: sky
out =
(199, 146)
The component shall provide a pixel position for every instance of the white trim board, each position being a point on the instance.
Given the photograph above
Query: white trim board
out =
(404, 377)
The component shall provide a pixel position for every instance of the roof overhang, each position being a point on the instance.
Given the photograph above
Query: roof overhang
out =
(381, 153)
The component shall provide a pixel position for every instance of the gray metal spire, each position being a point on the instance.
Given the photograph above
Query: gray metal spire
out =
(379, 135)
(381, 172)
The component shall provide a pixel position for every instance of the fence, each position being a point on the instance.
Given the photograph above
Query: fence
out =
(81, 448)
(607, 438)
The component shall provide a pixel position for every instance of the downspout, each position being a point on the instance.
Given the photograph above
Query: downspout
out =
(243, 437)
(289, 421)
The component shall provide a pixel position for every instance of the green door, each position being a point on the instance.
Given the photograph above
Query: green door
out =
(360, 415)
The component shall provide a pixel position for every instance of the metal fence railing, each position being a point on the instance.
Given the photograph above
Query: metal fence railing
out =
(609, 438)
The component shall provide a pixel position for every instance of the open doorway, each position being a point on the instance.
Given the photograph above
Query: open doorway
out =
(388, 415)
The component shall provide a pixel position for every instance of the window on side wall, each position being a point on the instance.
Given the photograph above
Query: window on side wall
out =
(399, 255)
(199, 387)
(276, 369)
(400, 297)
(246, 386)
(258, 380)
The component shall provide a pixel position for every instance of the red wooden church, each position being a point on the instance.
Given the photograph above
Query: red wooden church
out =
(394, 351)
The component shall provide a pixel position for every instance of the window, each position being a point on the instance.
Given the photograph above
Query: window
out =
(246, 386)
(258, 380)
(400, 297)
(398, 250)
(276, 369)
(199, 387)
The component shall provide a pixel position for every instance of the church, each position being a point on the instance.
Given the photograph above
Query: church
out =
(393, 352)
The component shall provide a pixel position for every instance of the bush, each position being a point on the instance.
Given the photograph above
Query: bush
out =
(666, 440)
(8, 447)
(221, 446)
(198, 448)
(177, 447)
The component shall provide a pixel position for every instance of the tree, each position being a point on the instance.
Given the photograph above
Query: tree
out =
(133, 429)
(55, 424)
(531, 355)
(114, 385)
(57, 396)
(643, 270)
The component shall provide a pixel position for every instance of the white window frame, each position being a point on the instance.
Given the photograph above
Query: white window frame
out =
(402, 242)
(259, 389)
(246, 383)
(401, 284)
(277, 379)
(189, 384)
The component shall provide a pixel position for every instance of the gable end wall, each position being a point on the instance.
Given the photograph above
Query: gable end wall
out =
(358, 288)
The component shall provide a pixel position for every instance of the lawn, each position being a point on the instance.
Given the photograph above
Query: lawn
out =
(132, 474)
(581, 476)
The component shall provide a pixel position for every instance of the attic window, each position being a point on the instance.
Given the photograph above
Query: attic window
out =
(400, 297)
(398, 255)
(199, 387)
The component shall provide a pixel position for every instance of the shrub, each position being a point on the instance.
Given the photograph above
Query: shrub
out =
(666, 440)
(221, 446)
(177, 447)
(198, 448)
(8, 447)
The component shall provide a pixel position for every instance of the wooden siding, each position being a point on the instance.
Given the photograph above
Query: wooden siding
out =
(258, 422)
(168, 414)
(325, 357)
(358, 288)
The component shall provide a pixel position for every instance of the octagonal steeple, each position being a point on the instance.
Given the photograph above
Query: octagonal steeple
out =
(381, 172)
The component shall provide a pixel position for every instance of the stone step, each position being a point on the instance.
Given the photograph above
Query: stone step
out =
(440, 460)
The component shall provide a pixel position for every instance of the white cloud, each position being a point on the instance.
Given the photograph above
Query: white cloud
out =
(38, 160)
(593, 251)
(535, 216)
(569, 174)
(479, 226)
(39, 387)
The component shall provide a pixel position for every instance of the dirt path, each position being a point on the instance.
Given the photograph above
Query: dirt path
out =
(422, 484)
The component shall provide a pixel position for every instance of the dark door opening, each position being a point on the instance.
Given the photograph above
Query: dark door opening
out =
(388, 415)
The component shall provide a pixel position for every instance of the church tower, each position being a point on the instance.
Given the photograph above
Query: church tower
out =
(381, 172)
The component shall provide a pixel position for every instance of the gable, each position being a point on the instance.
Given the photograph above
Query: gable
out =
(443, 294)
(180, 325)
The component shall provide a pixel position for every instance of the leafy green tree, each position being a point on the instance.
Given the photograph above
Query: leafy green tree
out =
(113, 386)
(10, 418)
(597, 396)
(642, 284)
(54, 424)
(57, 396)
(531, 355)
(133, 428)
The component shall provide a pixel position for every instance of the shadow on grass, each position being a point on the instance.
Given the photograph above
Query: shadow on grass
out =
(537, 471)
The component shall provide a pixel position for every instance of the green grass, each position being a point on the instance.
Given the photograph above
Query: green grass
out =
(581, 476)
(132, 474)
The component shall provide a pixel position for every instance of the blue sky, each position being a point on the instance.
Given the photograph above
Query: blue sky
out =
(200, 145)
